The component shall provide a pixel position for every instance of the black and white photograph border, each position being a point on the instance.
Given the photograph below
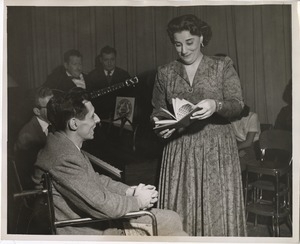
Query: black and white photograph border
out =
(295, 64)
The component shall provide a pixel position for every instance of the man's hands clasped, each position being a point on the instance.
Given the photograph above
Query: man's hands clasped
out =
(146, 195)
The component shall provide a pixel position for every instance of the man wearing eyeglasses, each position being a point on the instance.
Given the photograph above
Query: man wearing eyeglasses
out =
(32, 137)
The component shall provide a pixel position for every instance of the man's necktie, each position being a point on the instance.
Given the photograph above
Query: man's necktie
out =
(109, 76)
(79, 81)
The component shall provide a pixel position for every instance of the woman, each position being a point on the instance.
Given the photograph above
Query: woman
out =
(247, 130)
(200, 174)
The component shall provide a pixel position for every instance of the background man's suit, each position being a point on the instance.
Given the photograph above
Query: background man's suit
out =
(59, 80)
(105, 105)
(30, 140)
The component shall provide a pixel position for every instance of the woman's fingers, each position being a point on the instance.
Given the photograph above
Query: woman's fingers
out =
(208, 108)
(168, 133)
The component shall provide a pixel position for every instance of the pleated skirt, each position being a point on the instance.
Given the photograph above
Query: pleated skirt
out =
(200, 179)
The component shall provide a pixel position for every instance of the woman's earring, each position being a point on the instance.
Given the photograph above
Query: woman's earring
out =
(201, 44)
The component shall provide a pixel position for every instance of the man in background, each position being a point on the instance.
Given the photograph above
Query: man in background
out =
(106, 74)
(284, 119)
(32, 137)
(69, 75)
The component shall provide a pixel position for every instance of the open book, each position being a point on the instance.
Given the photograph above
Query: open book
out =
(183, 110)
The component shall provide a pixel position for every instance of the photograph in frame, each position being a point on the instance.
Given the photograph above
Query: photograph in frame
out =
(260, 37)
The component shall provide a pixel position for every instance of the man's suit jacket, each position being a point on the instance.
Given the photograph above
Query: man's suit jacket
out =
(59, 80)
(78, 190)
(105, 105)
(30, 140)
(99, 80)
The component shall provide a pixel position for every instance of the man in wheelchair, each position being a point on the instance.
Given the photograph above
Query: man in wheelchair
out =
(78, 191)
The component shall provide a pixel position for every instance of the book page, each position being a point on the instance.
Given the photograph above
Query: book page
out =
(165, 121)
(168, 113)
(182, 107)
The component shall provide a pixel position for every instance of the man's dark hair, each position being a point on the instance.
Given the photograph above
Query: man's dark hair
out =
(108, 50)
(39, 93)
(70, 53)
(245, 112)
(62, 107)
(104, 50)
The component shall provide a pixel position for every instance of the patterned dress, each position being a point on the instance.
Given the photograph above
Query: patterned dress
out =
(200, 174)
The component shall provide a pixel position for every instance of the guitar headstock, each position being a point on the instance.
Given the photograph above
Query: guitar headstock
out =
(132, 81)
(129, 82)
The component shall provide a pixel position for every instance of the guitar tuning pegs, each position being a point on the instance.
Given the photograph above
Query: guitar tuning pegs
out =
(135, 80)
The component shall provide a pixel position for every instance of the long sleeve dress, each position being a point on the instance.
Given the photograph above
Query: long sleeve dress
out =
(200, 174)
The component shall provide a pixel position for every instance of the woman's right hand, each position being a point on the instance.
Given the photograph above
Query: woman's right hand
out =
(164, 133)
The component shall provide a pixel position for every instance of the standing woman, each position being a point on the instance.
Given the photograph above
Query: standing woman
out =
(200, 174)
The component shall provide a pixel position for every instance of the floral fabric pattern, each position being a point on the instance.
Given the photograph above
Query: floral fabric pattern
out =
(200, 174)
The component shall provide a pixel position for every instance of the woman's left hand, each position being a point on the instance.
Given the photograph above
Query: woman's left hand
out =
(208, 108)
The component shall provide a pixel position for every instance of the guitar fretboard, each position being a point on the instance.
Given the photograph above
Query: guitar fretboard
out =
(126, 83)
(104, 91)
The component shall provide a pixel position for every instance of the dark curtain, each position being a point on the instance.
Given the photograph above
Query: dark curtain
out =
(256, 37)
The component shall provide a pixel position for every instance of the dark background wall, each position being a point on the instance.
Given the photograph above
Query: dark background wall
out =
(256, 37)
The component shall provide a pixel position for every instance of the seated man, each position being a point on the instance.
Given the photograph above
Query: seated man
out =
(32, 137)
(78, 190)
(69, 75)
(247, 130)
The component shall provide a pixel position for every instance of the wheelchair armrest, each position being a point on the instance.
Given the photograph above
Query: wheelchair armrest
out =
(29, 193)
(129, 215)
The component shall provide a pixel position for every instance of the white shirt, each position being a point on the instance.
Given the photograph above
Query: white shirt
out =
(111, 72)
(44, 125)
(78, 82)
(246, 124)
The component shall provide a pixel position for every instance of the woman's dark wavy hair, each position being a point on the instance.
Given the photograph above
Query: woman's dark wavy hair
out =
(192, 24)
(64, 106)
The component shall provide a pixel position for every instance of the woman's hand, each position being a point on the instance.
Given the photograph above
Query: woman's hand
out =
(164, 133)
(208, 108)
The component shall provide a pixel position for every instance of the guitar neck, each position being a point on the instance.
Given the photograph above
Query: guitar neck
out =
(106, 90)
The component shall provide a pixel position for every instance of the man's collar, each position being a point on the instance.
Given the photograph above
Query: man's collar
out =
(71, 139)
(43, 124)
(111, 72)
(78, 78)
